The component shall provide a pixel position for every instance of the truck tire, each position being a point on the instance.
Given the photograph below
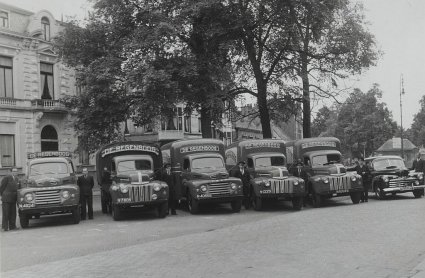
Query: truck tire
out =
(418, 193)
(257, 202)
(192, 204)
(236, 205)
(355, 197)
(162, 210)
(317, 200)
(297, 203)
(116, 213)
(24, 220)
(76, 216)
(104, 202)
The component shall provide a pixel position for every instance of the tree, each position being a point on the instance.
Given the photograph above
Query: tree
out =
(325, 122)
(416, 133)
(329, 40)
(364, 123)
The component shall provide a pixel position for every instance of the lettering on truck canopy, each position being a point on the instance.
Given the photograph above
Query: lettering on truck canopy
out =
(239, 151)
(296, 149)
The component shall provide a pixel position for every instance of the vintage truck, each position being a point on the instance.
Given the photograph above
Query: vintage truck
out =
(266, 163)
(127, 173)
(50, 187)
(389, 175)
(326, 176)
(200, 173)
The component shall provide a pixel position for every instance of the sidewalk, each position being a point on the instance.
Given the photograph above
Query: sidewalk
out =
(419, 271)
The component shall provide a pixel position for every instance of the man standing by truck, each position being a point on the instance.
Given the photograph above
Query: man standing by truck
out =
(245, 177)
(8, 191)
(86, 183)
(168, 177)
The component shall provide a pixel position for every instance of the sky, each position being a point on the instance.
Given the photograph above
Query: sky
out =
(399, 29)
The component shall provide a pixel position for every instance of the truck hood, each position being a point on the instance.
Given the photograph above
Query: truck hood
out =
(215, 175)
(136, 177)
(331, 169)
(49, 181)
(272, 171)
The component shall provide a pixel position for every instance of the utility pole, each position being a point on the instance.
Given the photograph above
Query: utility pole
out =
(401, 116)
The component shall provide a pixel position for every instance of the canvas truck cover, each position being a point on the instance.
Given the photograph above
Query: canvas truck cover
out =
(105, 155)
(174, 152)
(238, 151)
(296, 149)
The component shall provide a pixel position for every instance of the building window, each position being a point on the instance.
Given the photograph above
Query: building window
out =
(46, 79)
(199, 125)
(7, 150)
(187, 124)
(6, 77)
(45, 25)
(49, 139)
(4, 19)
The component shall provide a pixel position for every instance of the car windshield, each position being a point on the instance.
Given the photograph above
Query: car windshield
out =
(326, 159)
(134, 165)
(270, 161)
(49, 169)
(388, 163)
(212, 163)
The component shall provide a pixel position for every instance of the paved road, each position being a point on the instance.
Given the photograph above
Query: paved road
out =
(375, 239)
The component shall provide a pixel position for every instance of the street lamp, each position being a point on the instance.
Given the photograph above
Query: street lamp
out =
(401, 116)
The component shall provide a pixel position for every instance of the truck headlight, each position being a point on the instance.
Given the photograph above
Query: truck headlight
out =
(203, 188)
(29, 197)
(266, 184)
(154, 197)
(156, 187)
(295, 182)
(123, 188)
(65, 194)
(233, 186)
(416, 182)
(353, 178)
(115, 187)
(325, 180)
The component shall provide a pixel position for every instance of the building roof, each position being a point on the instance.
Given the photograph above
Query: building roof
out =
(395, 144)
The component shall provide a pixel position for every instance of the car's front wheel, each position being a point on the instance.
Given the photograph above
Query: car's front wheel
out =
(418, 193)
(379, 193)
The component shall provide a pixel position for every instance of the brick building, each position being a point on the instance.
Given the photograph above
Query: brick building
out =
(32, 80)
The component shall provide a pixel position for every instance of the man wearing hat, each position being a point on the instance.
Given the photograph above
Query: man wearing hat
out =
(86, 183)
(9, 195)
(244, 175)
(168, 177)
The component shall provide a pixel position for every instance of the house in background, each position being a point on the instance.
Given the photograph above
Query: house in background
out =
(32, 80)
(393, 147)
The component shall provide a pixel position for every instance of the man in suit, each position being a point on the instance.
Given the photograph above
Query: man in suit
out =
(168, 177)
(416, 163)
(363, 170)
(9, 195)
(86, 183)
(245, 177)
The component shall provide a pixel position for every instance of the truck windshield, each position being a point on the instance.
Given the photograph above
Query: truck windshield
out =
(49, 169)
(133, 165)
(270, 161)
(326, 159)
(207, 163)
(389, 163)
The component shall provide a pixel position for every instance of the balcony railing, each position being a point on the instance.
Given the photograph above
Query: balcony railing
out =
(47, 104)
(36, 104)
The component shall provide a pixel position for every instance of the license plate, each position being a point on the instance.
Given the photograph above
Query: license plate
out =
(123, 200)
(406, 188)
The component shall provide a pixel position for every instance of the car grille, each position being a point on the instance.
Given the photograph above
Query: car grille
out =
(281, 186)
(401, 182)
(47, 197)
(140, 193)
(340, 184)
(219, 188)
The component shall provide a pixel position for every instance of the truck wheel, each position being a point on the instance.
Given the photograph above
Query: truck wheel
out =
(236, 205)
(297, 203)
(355, 197)
(104, 202)
(418, 193)
(379, 194)
(257, 202)
(24, 220)
(192, 204)
(317, 200)
(116, 213)
(162, 210)
(76, 215)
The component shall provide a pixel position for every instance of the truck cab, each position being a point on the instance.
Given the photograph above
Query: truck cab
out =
(326, 176)
(50, 187)
(200, 173)
(128, 176)
(266, 163)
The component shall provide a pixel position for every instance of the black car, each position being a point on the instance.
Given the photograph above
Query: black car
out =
(389, 175)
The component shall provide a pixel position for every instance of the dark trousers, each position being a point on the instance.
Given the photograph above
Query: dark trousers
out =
(365, 195)
(9, 216)
(86, 200)
(172, 200)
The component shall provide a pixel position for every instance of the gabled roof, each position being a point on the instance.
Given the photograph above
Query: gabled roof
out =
(395, 144)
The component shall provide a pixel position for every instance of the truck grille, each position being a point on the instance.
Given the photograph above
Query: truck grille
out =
(340, 184)
(140, 193)
(401, 182)
(281, 186)
(219, 188)
(47, 197)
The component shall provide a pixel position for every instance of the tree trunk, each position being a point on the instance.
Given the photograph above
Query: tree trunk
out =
(206, 123)
(263, 109)
(306, 99)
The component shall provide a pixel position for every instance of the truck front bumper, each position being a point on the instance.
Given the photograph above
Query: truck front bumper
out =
(47, 209)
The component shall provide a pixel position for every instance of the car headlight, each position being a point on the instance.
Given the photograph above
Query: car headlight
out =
(233, 186)
(420, 176)
(123, 188)
(386, 179)
(29, 197)
(353, 178)
(156, 187)
(65, 194)
(325, 180)
(203, 188)
(416, 182)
